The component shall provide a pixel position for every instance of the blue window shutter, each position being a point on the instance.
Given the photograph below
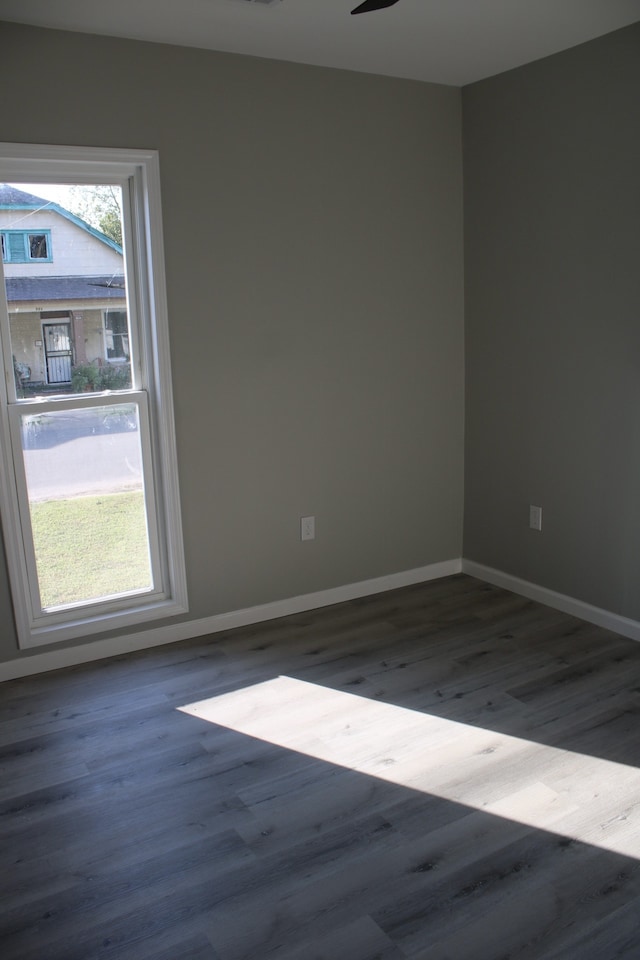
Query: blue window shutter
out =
(16, 252)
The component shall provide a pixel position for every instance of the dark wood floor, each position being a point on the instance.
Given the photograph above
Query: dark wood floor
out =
(446, 771)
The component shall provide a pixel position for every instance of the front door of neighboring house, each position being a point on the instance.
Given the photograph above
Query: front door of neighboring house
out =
(57, 350)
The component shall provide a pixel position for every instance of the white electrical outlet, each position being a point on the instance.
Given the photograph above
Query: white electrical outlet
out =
(535, 517)
(307, 528)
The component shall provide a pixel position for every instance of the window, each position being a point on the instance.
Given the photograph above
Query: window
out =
(88, 477)
(20, 246)
(116, 334)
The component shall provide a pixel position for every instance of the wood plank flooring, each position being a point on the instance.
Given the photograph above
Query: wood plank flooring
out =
(446, 771)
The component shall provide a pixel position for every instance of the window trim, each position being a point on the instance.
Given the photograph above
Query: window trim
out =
(138, 172)
(26, 234)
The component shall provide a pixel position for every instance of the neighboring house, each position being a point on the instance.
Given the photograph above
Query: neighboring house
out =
(65, 289)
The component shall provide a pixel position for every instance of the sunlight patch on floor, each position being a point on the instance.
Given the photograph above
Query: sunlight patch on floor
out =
(579, 796)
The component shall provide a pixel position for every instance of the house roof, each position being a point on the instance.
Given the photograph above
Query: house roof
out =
(39, 289)
(11, 198)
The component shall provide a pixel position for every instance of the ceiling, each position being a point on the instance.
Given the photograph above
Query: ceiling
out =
(441, 41)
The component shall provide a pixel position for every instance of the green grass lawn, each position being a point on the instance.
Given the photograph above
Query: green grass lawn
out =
(90, 547)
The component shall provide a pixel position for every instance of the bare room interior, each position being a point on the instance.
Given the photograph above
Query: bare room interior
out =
(392, 712)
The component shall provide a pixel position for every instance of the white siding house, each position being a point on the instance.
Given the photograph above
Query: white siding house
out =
(65, 290)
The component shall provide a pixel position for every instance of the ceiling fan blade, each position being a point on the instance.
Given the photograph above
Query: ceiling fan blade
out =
(369, 5)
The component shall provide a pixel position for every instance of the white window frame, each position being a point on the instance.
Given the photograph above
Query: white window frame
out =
(137, 171)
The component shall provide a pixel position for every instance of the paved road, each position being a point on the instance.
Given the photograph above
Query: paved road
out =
(72, 453)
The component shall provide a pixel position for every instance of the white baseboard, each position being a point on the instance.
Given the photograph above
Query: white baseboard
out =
(116, 646)
(142, 640)
(559, 601)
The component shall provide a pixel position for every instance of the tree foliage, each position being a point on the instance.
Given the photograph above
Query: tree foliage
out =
(99, 206)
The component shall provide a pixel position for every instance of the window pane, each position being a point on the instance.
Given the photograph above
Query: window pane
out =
(70, 264)
(84, 485)
(38, 246)
(116, 331)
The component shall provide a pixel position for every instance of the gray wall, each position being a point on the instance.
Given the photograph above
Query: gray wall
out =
(552, 261)
(313, 236)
